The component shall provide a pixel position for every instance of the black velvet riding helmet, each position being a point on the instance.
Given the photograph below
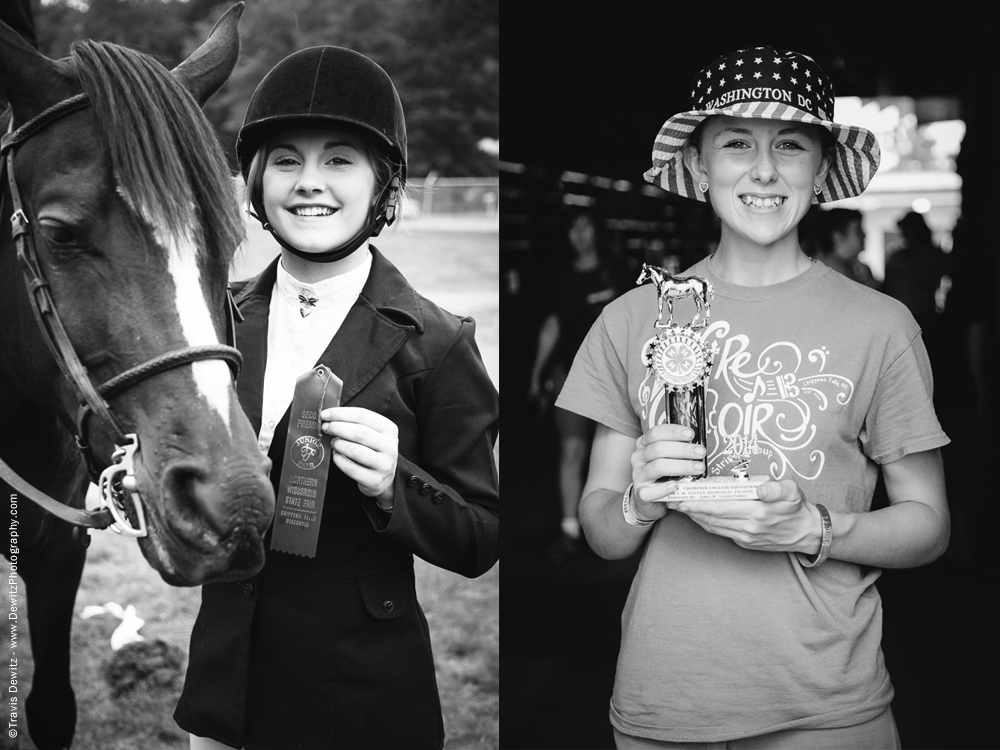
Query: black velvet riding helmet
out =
(337, 88)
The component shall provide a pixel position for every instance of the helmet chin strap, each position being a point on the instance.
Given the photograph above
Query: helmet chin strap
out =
(385, 214)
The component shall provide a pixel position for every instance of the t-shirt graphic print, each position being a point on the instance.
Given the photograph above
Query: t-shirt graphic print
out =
(765, 405)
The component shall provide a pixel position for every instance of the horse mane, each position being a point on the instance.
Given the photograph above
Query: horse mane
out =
(163, 152)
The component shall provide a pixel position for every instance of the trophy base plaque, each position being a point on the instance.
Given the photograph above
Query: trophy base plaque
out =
(717, 488)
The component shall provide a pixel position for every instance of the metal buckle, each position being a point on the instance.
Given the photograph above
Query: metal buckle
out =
(391, 201)
(117, 481)
(19, 223)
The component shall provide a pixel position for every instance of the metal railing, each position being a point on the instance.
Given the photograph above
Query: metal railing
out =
(471, 196)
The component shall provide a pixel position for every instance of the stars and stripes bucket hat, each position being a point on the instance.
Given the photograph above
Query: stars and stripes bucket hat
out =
(771, 84)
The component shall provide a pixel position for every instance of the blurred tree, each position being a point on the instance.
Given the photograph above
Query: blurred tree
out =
(443, 56)
(450, 85)
(153, 26)
(57, 25)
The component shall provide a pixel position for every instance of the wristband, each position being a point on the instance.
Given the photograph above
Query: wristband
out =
(630, 518)
(827, 539)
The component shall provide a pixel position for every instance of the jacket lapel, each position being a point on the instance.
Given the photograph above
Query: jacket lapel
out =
(378, 324)
(254, 301)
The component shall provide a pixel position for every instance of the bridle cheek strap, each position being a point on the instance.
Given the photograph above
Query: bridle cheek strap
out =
(48, 320)
(42, 305)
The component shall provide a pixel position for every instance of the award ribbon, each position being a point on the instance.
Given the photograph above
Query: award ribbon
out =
(304, 471)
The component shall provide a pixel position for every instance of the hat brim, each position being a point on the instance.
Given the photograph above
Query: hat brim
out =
(854, 165)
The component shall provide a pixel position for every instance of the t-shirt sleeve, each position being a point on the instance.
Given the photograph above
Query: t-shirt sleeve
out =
(597, 384)
(901, 419)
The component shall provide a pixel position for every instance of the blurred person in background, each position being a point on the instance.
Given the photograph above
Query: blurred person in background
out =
(756, 623)
(330, 646)
(584, 286)
(841, 240)
(915, 271)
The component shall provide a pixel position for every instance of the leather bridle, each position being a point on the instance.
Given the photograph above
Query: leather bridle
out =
(117, 480)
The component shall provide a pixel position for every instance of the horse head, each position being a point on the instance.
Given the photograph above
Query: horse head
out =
(130, 206)
(648, 272)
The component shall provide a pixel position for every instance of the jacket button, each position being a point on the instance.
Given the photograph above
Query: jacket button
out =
(412, 481)
(248, 589)
(425, 489)
(438, 497)
(388, 606)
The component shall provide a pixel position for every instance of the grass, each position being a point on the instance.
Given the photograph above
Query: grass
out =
(459, 270)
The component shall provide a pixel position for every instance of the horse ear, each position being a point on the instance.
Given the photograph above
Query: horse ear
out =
(29, 81)
(209, 66)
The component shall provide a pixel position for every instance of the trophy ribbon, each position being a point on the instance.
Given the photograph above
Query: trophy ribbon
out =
(306, 465)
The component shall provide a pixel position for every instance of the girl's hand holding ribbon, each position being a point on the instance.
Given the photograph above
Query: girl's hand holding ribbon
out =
(365, 447)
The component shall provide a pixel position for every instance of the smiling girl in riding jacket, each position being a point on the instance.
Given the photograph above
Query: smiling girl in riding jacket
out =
(333, 650)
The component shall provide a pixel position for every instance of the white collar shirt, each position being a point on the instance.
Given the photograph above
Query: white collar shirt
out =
(303, 318)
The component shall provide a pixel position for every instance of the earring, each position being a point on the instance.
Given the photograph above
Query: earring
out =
(703, 187)
(817, 189)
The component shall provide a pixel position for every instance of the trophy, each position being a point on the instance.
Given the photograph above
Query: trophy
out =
(679, 360)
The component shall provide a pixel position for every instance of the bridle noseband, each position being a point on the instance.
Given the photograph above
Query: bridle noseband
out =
(117, 480)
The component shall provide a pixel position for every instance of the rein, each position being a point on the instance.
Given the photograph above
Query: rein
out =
(117, 481)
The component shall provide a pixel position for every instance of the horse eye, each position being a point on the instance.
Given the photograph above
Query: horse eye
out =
(58, 234)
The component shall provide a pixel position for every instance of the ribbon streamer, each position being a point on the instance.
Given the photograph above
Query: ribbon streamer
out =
(306, 466)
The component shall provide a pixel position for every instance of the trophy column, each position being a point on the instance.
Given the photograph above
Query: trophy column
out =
(687, 408)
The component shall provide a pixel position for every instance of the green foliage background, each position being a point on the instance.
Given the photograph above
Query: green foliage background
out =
(442, 55)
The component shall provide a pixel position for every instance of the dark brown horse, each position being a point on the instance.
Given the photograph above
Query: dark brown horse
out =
(127, 203)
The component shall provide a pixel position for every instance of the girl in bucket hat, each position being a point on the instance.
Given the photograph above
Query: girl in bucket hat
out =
(766, 84)
(330, 648)
(758, 620)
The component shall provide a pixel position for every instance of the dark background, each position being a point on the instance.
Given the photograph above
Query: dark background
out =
(588, 87)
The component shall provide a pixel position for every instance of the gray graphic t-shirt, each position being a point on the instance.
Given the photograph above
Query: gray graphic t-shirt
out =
(824, 379)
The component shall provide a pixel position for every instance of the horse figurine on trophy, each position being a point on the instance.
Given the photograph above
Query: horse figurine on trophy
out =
(670, 288)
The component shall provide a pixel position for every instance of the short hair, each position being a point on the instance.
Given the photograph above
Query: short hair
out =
(834, 221)
(913, 227)
(839, 219)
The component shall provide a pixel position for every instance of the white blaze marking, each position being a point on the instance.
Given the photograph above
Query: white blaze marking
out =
(212, 376)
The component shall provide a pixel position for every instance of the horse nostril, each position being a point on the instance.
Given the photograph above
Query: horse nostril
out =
(191, 499)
